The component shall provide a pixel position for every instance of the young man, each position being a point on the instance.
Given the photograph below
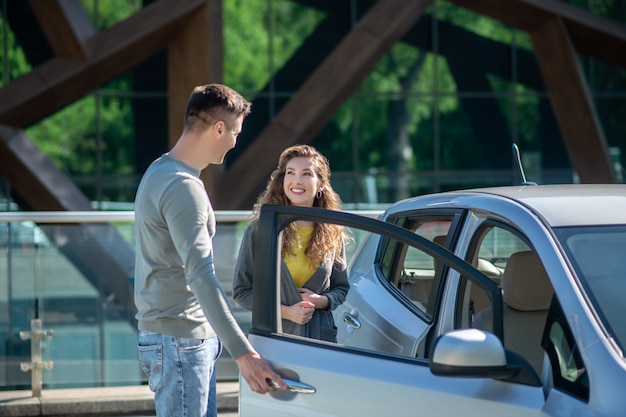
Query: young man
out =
(182, 308)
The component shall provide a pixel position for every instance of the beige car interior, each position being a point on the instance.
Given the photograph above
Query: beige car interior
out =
(479, 298)
(526, 294)
(416, 284)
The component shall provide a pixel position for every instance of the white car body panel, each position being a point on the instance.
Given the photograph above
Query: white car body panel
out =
(346, 383)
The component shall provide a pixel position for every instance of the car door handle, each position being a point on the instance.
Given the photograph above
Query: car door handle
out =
(351, 321)
(296, 386)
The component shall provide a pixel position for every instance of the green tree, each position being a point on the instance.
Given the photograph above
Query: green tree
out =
(259, 37)
(93, 135)
(13, 62)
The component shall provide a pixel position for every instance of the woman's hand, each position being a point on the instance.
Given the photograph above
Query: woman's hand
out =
(299, 313)
(319, 301)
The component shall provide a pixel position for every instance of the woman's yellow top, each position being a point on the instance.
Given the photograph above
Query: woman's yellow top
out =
(299, 264)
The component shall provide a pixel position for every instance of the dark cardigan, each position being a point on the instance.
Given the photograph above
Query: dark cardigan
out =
(330, 279)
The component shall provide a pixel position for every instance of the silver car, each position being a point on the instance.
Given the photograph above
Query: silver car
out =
(501, 301)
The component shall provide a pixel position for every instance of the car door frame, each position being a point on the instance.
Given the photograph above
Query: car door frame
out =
(274, 218)
(457, 217)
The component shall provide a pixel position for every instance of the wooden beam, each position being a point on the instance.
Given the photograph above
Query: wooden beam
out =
(191, 62)
(572, 103)
(66, 26)
(316, 101)
(591, 35)
(60, 81)
(33, 175)
(187, 67)
(213, 174)
(98, 251)
(516, 13)
(215, 42)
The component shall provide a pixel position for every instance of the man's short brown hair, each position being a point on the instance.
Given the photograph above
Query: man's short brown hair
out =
(211, 103)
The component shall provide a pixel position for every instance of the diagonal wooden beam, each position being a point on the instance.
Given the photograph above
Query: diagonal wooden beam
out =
(319, 98)
(591, 35)
(33, 175)
(574, 109)
(98, 251)
(60, 81)
(66, 26)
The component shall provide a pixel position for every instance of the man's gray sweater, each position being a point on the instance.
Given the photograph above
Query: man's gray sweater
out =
(176, 290)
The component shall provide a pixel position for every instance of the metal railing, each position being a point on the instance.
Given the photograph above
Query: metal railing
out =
(221, 216)
(25, 261)
(36, 365)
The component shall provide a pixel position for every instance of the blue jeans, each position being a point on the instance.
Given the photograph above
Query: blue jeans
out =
(181, 373)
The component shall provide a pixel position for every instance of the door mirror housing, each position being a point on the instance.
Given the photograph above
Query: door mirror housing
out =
(474, 353)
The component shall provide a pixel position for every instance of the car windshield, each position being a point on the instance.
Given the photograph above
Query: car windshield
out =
(599, 258)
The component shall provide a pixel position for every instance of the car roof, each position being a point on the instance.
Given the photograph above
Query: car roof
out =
(559, 205)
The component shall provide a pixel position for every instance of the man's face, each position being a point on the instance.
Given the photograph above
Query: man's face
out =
(227, 138)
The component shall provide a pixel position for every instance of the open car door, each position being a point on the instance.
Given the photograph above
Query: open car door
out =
(333, 379)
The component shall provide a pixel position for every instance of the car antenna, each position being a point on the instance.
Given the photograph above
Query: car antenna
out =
(520, 168)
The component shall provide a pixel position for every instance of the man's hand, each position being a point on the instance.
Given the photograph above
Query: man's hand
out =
(258, 373)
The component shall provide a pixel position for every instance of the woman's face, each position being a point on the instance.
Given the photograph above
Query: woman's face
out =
(301, 182)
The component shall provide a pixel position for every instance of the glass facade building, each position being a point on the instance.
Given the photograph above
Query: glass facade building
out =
(440, 111)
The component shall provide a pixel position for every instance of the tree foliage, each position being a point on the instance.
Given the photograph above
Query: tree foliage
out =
(13, 63)
(259, 37)
(94, 134)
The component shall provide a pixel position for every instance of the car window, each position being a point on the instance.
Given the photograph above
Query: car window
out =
(597, 254)
(374, 315)
(490, 251)
(410, 270)
(506, 258)
(352, 319)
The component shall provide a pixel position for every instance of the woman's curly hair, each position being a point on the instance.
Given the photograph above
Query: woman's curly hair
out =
(326, 238)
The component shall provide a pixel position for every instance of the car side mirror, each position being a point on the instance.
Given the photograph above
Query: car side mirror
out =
(474, 353)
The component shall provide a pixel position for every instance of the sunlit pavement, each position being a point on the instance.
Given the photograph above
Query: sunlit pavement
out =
(136, 401)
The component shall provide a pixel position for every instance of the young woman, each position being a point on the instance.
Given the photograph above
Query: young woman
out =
(313, 274)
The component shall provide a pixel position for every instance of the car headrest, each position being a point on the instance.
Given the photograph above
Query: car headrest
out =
(525, 283)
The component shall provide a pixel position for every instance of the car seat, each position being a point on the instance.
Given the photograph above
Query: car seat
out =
(526, 294)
